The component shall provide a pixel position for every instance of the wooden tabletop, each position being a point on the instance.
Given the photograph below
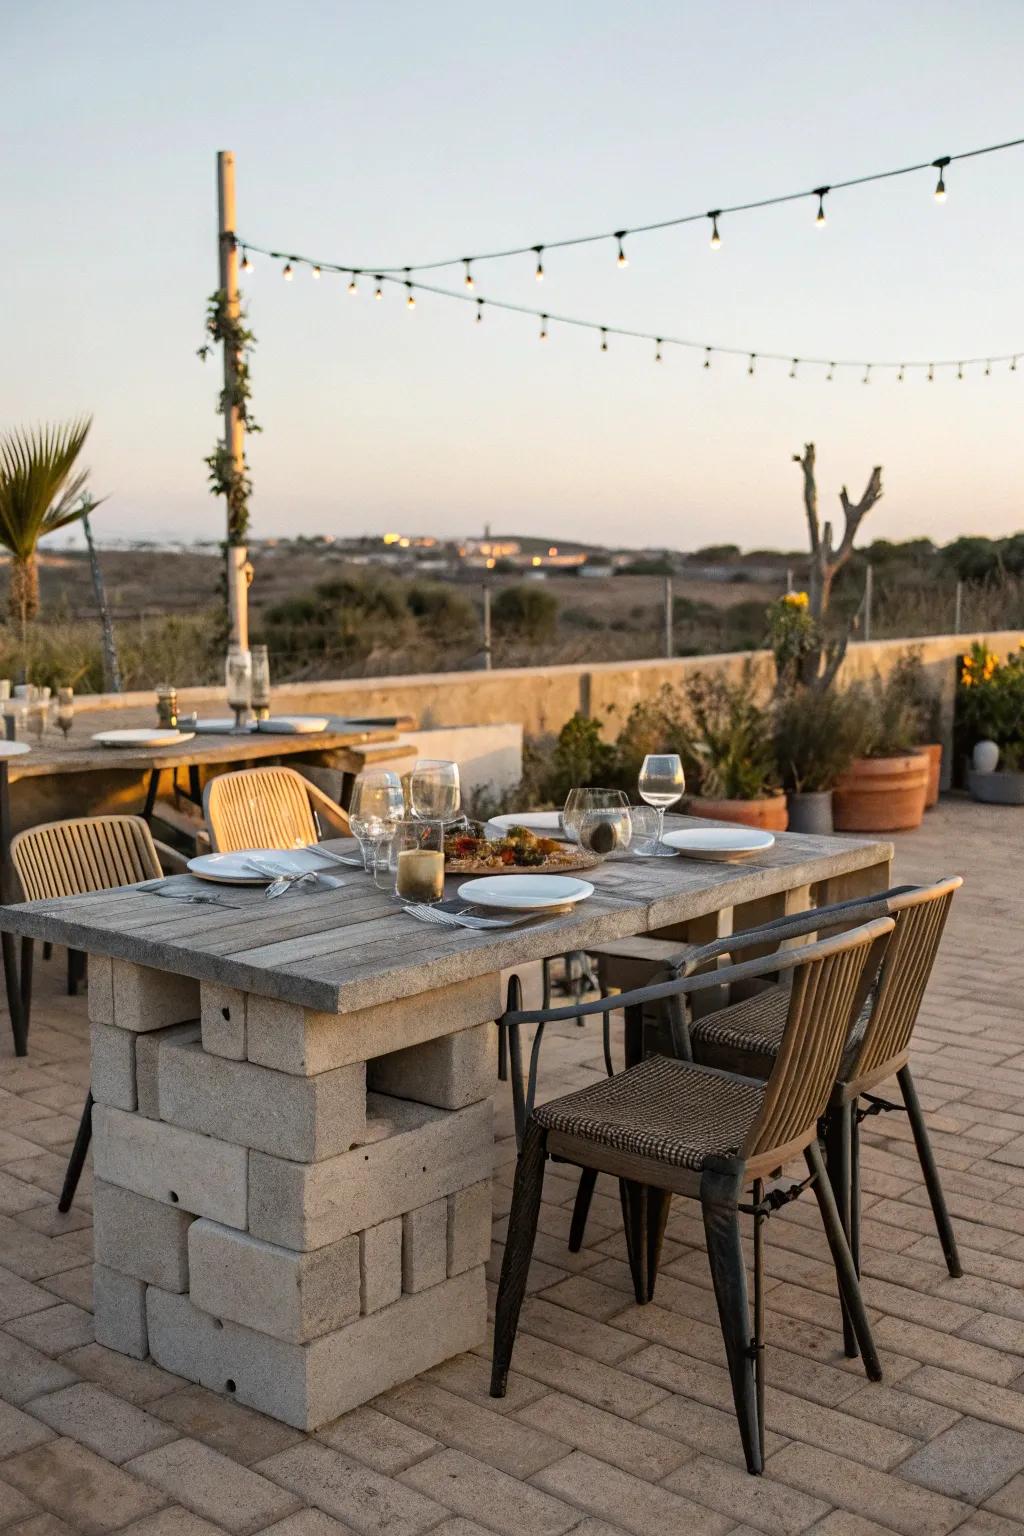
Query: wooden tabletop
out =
(338, 950)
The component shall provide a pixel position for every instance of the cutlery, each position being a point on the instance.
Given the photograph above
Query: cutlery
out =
(465, 918)
(174, 893)
(336, 858)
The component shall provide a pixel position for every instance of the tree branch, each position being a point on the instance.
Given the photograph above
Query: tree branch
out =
(806, 462)
(855, 512)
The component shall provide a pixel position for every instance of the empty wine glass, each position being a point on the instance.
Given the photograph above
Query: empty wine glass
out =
(375, 809)
(661, 784)
(65, 715)
(434, 790)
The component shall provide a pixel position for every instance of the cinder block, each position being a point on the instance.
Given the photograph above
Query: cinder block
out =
(201, 1174)
(113, 1065)
(223, 1019)
(450, 1073)
(412, 1155)
(296, 1040)
(380, 1265)
(292, 1296)
(424, 1246)
(307, 1385)
(141, 1237)
(140, 998)
(147, 1053)
(469, 1228)
(100, 977)
(302, 1118)
(119, 1304)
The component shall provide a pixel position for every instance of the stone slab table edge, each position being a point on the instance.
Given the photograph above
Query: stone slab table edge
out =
(293, 1139)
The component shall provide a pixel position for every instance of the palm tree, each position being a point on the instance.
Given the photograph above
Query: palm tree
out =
(40, 491)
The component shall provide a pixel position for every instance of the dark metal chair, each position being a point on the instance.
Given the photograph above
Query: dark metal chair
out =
(669, 1126)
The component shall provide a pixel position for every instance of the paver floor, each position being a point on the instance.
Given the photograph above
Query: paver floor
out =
(618, 1418)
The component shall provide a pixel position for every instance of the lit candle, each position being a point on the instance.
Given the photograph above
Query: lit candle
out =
(420, 874)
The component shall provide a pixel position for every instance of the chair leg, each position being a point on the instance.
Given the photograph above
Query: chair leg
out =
(849, 1285)
(28, 949)
(644, 1214)
(515, 1052)
(719, 1195)
(76, 971)
(581, 1209)
(47, 950)
(76, 1161)
(515, 1266)
(759, 1371)
(840, 1128)
(932, 1182)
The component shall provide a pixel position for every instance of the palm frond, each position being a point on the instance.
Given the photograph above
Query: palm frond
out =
(38, 488)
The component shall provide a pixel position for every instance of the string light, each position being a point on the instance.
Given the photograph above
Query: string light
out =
(286, 272)
(752, 363)
(819, 193)
(353, 286)
(792, 368)
(479, 311)
(716, 238)
(960, 371)
(831, 373)
(988, 370)
(622, 258)
(940, 186)
(539, 270)
(410, 302)
(899, 376)
(707, 357)
(315, 272)
(543, 328)
(246, 263)
(867, 375)
(468, 279)
(931, 373)
(604, 339)
(657, 349)
(378, 292)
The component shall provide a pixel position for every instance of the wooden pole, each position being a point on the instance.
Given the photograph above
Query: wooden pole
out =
(959, 608)
(234, 432)
(869, 597)
(111, 669)
(669, 634)
(487, 625)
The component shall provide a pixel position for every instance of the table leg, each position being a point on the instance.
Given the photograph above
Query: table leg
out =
(12, 984)
(154, 785)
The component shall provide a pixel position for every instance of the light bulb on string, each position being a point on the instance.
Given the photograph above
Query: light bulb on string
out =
(657, 349)
(410, 302)
(792, 368)
(716, 238)
(539, 269)
(1013, 366)
(378, 292)
(543, 328)
(931, 373)
(622, 259)
(707, 357)
(867, 374)
(315, 272)
(940, 186)
(752, 363)
(246, 263)
(468, 279)
(831, 373)
(988, 370)
(819, 193)
(960, 371)
(604, 339)
(899, 376)
(286, 272)
(353, 286)
(479, 311)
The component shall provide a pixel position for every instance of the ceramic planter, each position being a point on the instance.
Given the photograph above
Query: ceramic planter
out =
(768, 813)
(933, 752)
(882, 794)
(811, 812)
(996, 788)
(985, 757)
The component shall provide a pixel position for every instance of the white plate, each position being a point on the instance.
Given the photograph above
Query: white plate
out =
(13, 748)
(236, 868)
(293, 725)
(143, 738)
(542, 823)
(719, 842)
(222, 726)
(523, 893)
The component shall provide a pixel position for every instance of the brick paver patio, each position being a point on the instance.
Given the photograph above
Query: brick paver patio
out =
(618, 1418)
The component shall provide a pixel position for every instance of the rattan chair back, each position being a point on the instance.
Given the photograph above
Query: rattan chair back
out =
(86, 853)
(259, 808)
(920, 916)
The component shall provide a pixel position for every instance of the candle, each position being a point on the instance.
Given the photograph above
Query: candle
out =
(420, 874)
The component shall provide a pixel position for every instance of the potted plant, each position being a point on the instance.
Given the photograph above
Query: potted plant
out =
(817, 735)
(990, 711)
(909, 679)
(732, 743)
(884, 789)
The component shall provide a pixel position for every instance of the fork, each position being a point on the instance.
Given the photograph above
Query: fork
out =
(466, 919)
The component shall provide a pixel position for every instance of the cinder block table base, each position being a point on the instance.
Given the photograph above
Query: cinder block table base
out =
(290, 1207)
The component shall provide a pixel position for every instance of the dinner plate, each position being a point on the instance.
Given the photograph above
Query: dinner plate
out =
(525, 893)
(543, 823)
(222, 726)
(143, 738)
(718, 842)
(293, 725)
(237, 868)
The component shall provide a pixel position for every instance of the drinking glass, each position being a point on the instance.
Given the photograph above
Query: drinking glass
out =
(238, 680)
(597, 820)
(37, 715)
(646, 828)
(377, 805)
(434, 790)
(261, 682)
(65, 710)
(661, 783)
(417, 860)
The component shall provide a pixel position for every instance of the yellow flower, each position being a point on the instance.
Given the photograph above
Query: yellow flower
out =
(796, 599)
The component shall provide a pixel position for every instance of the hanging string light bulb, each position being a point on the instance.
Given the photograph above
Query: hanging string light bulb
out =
(468, 279)
(988, 370)
(543, 328)
(315, 272)
(940, 186)
(479, 311)
(353, 286)
(539, 269)
(410, 302)
(1013, 366)
(899, 376)
(657, 349)
(604, 339)
(622, 259)
(931, 373)
(792, 368)
(246, 263)
(820, 220)
(752, 363)
(716, 238)
(286, 272)
(378, 292)
(867, 375)
(707, 357)
(831, 373)
(960, 372)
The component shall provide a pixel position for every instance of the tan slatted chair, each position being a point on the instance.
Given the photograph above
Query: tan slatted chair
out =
(73, 858)
(268, 808)
(669, 1126)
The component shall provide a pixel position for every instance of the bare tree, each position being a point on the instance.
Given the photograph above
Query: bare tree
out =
(821, 664)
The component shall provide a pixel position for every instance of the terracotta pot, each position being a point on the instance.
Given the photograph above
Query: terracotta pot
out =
(933, 752)
(810, 812)
(882, 794)
(769, 813)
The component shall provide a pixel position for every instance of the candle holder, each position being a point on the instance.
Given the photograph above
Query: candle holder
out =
(238, 678)
(417, 859)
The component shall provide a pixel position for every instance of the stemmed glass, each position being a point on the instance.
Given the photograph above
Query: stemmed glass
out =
(661, 784)
(65, 715)
(375, 809)
(434, 790)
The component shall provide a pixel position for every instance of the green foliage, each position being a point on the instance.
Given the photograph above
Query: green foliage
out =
(909, 680)
(990, 697)
(887, 721)
(732, 737)
(344, 618)
(450, 614)
(526, 612)
(182, 649)
(39, 489)
(972, 557)
(654, 565)
(817, 735)
(579, 758)
(795, 637)
(655, 725)
(717, 552)
(225, 477)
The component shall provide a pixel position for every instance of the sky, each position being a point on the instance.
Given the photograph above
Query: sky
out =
(401, 132)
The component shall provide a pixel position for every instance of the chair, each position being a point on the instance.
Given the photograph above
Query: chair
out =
(267, 808)
(669, 1126)
(72, 858)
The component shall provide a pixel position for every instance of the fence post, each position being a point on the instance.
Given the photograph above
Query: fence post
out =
(869, 593)
(487, 626)
(669, 635)
(958, 609)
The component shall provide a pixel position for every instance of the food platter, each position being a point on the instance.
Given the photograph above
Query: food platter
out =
(519, 852)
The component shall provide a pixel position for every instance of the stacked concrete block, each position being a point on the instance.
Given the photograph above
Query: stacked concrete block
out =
(264, 1225)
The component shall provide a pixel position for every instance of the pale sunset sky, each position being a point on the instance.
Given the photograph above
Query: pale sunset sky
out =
(400, 132)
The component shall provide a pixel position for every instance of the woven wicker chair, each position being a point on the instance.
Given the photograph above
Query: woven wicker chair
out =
(267, 808)
(668, 1126)
(72, 858)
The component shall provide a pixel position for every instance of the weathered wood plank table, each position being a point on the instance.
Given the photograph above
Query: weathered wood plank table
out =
(293, 1124)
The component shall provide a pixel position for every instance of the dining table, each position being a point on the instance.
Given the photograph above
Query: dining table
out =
(292, 1124)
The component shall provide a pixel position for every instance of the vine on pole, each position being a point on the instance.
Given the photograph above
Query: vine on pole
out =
(226, 477)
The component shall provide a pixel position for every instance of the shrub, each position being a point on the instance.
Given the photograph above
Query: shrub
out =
(732, 737)
(525, 612)
(817, 734)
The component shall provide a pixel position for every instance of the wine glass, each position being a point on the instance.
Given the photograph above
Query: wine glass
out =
(65, 710)
(597, 819)
(375, 809)
(661, 784)
(434, 790)
(238, 680)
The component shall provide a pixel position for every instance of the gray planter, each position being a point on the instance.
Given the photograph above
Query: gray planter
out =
(810, 813)
(996, 788)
